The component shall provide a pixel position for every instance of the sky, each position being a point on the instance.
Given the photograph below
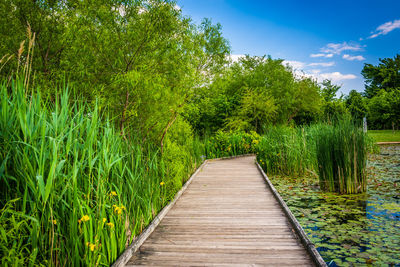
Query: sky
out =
(323, 39)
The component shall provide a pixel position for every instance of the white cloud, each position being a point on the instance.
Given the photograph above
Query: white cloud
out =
(352, 58)
(338, 48)
(336, 76)
(322, 55)
(235, 58)
(294, 64)
(299, 65)
(322, 64)
(386, 28)
(315, 71)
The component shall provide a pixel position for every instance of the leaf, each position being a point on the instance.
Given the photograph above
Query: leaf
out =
(39, 178)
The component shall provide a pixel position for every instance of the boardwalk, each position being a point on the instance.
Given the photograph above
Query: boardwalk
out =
(226, 217)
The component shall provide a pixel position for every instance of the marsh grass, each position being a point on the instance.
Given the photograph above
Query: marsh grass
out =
(284, 150)
(74, 192)
(341, 152)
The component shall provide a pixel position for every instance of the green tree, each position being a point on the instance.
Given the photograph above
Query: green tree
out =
(385, 75)
(47, 20)
(251, 94)
(384, 110)
(333, 108)
(356, 105)
(141, 59)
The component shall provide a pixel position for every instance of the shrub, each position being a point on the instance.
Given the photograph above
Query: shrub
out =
(225, 144)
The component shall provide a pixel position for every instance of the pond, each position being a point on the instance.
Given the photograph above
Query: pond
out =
(351, 230)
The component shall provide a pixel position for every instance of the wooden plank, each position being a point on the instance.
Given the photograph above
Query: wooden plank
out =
(127, 254)
(228, 216)
(318, 260)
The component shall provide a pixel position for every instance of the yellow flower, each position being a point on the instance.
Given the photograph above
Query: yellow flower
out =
(84, 218)
(91, 246)
(54, 221)
(117, 209)
(113, 194)
(104, 220)
(162, 183)
(110, 224)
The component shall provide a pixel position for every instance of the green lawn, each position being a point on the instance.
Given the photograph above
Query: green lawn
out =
(385, 135)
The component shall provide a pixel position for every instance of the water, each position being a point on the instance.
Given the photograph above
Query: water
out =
(352, 230)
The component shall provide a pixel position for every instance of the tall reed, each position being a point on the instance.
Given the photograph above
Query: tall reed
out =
(284, 150)
(74, 192)
(341, 154)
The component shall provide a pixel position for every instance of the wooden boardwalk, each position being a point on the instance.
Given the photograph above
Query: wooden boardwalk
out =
(226, 217)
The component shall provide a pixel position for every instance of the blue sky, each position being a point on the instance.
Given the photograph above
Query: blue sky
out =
(324, 39)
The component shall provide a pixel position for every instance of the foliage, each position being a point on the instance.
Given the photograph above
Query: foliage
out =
(356, 105)
(384, 110)
(74, 192)
(225, 144)
(181, 156)
(139, 59)
(333, 108)
(284, 150)
(382, 89)
(384, 76)
(252, 94)
(341, 155)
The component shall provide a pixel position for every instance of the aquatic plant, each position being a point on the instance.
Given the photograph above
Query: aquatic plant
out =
(74, 191)
(351, 229)
(341, 153)
(284, 150)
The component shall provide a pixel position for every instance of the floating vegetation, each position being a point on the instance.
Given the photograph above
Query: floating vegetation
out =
(351, 230)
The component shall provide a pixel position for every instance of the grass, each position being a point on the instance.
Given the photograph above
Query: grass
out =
(335, 154)
(341, 151)
(384, 135)
(74, 192)
(284, 150)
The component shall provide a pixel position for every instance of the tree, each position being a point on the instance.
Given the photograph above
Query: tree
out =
(384, 76)
(140, 59)
(384, 110)
(356, 105)
(47, 20)
(329, 90)
(251, 94)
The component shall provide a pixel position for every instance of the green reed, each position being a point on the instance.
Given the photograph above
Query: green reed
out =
(74, 192)
(341, 154)
(284, 150)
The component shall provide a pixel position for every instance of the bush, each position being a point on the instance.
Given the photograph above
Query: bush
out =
(225, 144)
(181, 156)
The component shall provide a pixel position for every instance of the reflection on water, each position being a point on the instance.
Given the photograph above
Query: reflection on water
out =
(352, 230)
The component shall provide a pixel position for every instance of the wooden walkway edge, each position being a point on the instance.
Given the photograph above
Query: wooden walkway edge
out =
(224, 215)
